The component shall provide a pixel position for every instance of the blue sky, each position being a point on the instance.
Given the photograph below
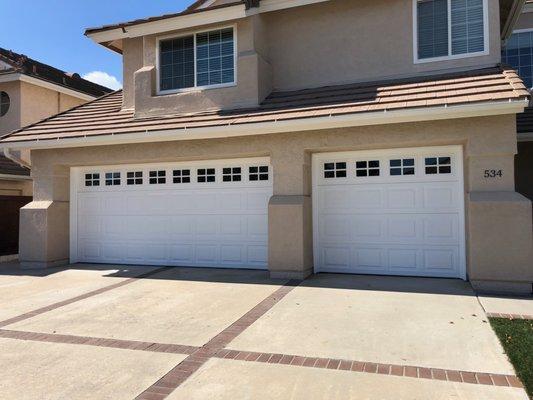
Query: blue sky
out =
(51, 31)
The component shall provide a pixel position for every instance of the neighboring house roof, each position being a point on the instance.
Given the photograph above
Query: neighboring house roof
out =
(22, 64)
(105, 116)
(8, 167)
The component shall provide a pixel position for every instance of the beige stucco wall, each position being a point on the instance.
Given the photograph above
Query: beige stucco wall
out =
(39, 103)
(488, 141)
(347, 40)
(11, 120)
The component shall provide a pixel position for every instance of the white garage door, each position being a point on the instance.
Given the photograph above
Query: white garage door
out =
(212, 214)
(392, 212)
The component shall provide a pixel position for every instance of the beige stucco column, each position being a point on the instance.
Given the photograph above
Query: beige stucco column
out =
(500, 238)
(290, 229)
(44, 223)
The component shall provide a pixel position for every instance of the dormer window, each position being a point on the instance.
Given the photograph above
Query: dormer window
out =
(449, 29)
(200, 60)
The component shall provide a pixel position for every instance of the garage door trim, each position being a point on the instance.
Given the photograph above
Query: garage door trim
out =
(318, 160)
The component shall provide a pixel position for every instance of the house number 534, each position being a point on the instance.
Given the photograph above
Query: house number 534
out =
(493, 173)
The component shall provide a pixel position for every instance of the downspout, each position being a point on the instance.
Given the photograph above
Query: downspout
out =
(16, 159)
(514, 14)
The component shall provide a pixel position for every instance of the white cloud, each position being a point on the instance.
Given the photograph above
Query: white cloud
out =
(104, 79)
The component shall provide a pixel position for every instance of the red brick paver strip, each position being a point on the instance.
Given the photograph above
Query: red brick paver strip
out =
(215, 348)
(84, 296)
(509, 316)
(98, 342)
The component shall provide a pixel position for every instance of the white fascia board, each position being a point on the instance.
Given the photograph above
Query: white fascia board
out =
(10, 177)
(274, 5)
(282, 126)
(45, 84)
(171, 24)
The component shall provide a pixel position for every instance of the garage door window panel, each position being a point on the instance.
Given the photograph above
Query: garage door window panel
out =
(232, 174)
(92, 179)
(158, 177)
(367, 168)
(134, 178)
(181, 176)
(402, 166)
(258, 173)
(112, 179)
(206, 175)
(335, 170)
(438, 165)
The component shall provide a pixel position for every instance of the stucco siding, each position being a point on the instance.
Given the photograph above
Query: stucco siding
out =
(344, 41)
(11, 120)
(525, 21)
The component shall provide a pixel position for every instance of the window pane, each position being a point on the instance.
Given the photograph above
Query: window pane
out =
(432, 21)
(517, 53)
(215, 58)
(467, 26)
(177, 63)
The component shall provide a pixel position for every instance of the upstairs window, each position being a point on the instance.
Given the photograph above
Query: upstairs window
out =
(199, 60)
(450, 28)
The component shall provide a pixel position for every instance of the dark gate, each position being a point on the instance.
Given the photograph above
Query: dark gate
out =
(9, 223)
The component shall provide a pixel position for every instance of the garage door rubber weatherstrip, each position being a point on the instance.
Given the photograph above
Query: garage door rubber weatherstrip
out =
(84, 296)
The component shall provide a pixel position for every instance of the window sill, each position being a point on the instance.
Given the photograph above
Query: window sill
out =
(449, 58)
(194, 89)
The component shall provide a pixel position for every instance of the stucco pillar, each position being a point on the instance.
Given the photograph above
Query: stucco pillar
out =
(499, 222)
(44, 223)
(290, 229)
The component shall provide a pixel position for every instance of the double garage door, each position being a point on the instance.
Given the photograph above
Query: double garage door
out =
(205, 214)
(397, 212)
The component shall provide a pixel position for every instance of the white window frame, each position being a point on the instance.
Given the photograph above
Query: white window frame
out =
(195, 88)
(450, 56)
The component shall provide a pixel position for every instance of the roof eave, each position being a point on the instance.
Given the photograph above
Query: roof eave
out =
(182, 21)
(514, 13)
(420, 114)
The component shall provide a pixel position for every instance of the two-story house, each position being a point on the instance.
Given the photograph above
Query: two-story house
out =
(29, 92)
(298, 136)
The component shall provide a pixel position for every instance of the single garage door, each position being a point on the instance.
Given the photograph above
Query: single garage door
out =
(390, 212)
(204, 214)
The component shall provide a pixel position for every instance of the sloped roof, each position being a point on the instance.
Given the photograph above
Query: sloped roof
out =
(8, 167)
(27, 66)
(105, 116)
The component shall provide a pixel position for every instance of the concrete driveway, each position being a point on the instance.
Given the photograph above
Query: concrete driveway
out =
(103, 332)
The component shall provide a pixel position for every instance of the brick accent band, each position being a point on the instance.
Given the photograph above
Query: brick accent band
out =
(181, 372)
(509, 316)
(98, 342)
(84, 296)
(478, 378)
